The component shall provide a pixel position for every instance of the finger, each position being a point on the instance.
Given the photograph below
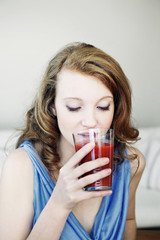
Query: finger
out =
(79, 155)
(94, 194)
(89, 166)
(91, 178)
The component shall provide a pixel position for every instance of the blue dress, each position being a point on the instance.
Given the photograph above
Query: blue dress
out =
(110, 220)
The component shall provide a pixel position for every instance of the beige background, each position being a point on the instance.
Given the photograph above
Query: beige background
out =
(31, 32)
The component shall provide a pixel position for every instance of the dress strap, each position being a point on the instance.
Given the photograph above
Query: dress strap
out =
(35, 158)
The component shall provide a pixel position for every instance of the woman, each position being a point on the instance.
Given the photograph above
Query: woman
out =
(42, 194)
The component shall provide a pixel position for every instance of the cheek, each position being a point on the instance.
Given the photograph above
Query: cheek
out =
(106, 122)
(66, 126)
(63, 122)
(65, 119)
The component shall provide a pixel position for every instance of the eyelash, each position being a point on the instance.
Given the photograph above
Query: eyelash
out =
(72, 109)
(104, 108)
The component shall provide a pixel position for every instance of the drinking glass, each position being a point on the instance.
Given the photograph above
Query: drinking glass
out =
(104, 147)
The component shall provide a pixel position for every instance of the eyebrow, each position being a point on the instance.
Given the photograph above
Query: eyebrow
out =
(79, 99)
(105, 97)
(72, 98)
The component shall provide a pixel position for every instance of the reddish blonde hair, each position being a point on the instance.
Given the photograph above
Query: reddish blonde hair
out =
(41, 126)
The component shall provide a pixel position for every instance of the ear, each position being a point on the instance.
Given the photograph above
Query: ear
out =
(54, 111)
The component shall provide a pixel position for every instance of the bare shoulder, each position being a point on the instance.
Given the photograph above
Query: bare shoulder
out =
(17, 173)
(137, 165)
(16, 196)
(18, 163)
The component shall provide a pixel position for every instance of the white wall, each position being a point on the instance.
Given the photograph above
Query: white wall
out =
(31, 32)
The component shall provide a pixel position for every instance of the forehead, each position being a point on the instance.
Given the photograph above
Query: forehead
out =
(75, 84)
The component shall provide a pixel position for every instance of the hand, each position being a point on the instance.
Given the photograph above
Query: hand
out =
(69, 187)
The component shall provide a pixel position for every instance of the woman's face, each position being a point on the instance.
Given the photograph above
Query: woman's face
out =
(82, 102)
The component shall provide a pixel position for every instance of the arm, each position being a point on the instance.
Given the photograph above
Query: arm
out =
(16, 196)
(16, 203)
(137, 167)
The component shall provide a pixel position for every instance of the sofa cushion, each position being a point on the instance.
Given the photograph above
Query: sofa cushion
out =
(149, 145)
(147, 208)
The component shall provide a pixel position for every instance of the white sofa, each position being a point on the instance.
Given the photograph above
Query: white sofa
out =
(148, 193)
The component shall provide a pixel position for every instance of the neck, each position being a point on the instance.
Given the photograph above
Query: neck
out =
(65, 149)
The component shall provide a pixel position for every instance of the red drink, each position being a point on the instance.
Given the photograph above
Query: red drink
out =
(105, 150)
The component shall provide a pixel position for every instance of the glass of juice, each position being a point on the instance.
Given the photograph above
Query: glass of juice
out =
(104, 147)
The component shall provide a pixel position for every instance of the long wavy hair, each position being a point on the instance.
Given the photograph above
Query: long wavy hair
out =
(41, 125)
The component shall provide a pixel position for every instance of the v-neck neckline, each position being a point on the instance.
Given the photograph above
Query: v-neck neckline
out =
(99, 218)
(80, 226)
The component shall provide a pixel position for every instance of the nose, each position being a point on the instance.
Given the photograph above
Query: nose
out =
(89, 119)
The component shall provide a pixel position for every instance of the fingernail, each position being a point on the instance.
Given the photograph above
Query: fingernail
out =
(106, 160)
(108, 170)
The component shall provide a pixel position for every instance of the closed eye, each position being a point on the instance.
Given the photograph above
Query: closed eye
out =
(73, 109)
(104, 108)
